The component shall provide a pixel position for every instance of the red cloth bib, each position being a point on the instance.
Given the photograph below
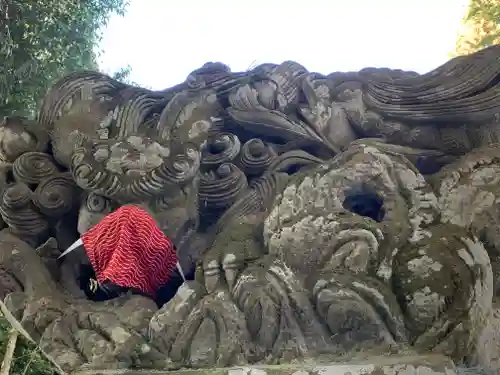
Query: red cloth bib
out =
(128, 249)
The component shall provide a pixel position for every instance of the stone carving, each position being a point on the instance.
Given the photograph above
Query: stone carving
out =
(32, 167)
(256, 157)
(18, 135)
(54, 195)
(19, 211)
(220, 149)
(473, 179)
(315, 215)
(219, 189)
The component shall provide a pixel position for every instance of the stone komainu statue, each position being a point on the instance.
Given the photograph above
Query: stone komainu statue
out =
(313, 214)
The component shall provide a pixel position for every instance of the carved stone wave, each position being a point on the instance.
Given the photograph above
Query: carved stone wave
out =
(19, 213)
(256, 156)
(32, 167)
(459, 91)
(208, 75)
(78, 86)
(56, 195)
(133, 169)
(292, 161)
(189, 117)
(220, 149)
(219, 189)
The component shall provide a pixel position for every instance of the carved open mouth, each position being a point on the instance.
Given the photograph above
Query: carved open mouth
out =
(131, 169)
(364, 201)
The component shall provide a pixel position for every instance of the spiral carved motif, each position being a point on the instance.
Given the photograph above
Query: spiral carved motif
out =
(177, 170)
(96, 203)
(207, 75)
(257, 199)
(55, 195)
(16, 196)
(182, 167)
(33, 167)
(18, 212)
(221, 148)
(219, 189)
(104, 175)
(92, 179)
(256, 157)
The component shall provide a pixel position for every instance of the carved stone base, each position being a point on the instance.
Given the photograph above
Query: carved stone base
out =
(379, 365)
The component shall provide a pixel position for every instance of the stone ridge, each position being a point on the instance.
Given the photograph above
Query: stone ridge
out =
(381, 365)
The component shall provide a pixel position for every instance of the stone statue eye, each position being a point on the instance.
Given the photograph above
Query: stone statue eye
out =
(192, 154)
(96, 203)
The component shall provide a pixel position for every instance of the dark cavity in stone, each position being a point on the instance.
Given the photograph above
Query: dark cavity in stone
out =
(364, 201)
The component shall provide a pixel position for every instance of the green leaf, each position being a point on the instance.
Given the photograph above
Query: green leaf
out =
(42, 40)
(490, 39)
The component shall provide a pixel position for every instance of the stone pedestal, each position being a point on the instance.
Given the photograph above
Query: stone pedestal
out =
(380, 365)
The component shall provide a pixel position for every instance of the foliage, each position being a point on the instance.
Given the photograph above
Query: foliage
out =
(481, 26)
(42, 40)
(123, 75)
(27, 359)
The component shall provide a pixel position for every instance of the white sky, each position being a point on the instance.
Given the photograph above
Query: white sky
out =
(164, 40)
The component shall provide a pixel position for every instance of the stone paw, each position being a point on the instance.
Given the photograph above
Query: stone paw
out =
(235, 247)
(97, 336)
(279, 315)
(201, 330)
(359, 311)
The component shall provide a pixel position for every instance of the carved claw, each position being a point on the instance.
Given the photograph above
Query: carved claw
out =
(211, 269)
(214, 323)
(164, 325)
(235, 247)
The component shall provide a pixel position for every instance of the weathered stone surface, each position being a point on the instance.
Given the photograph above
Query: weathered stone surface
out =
(390, 365)
(315, 216)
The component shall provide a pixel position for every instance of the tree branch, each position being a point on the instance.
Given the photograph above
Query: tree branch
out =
(9, 352)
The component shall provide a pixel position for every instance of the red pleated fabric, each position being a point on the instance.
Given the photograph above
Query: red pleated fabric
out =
(128, 249)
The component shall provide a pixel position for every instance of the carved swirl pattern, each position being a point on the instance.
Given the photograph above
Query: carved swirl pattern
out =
(18, 211)
(33, 167)
(132, 176)
(55, 195)
(89, 177)
(182, 167)
(255, 157)
(257, 199)
(209, 74)
(221, 148)
(220, 189)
